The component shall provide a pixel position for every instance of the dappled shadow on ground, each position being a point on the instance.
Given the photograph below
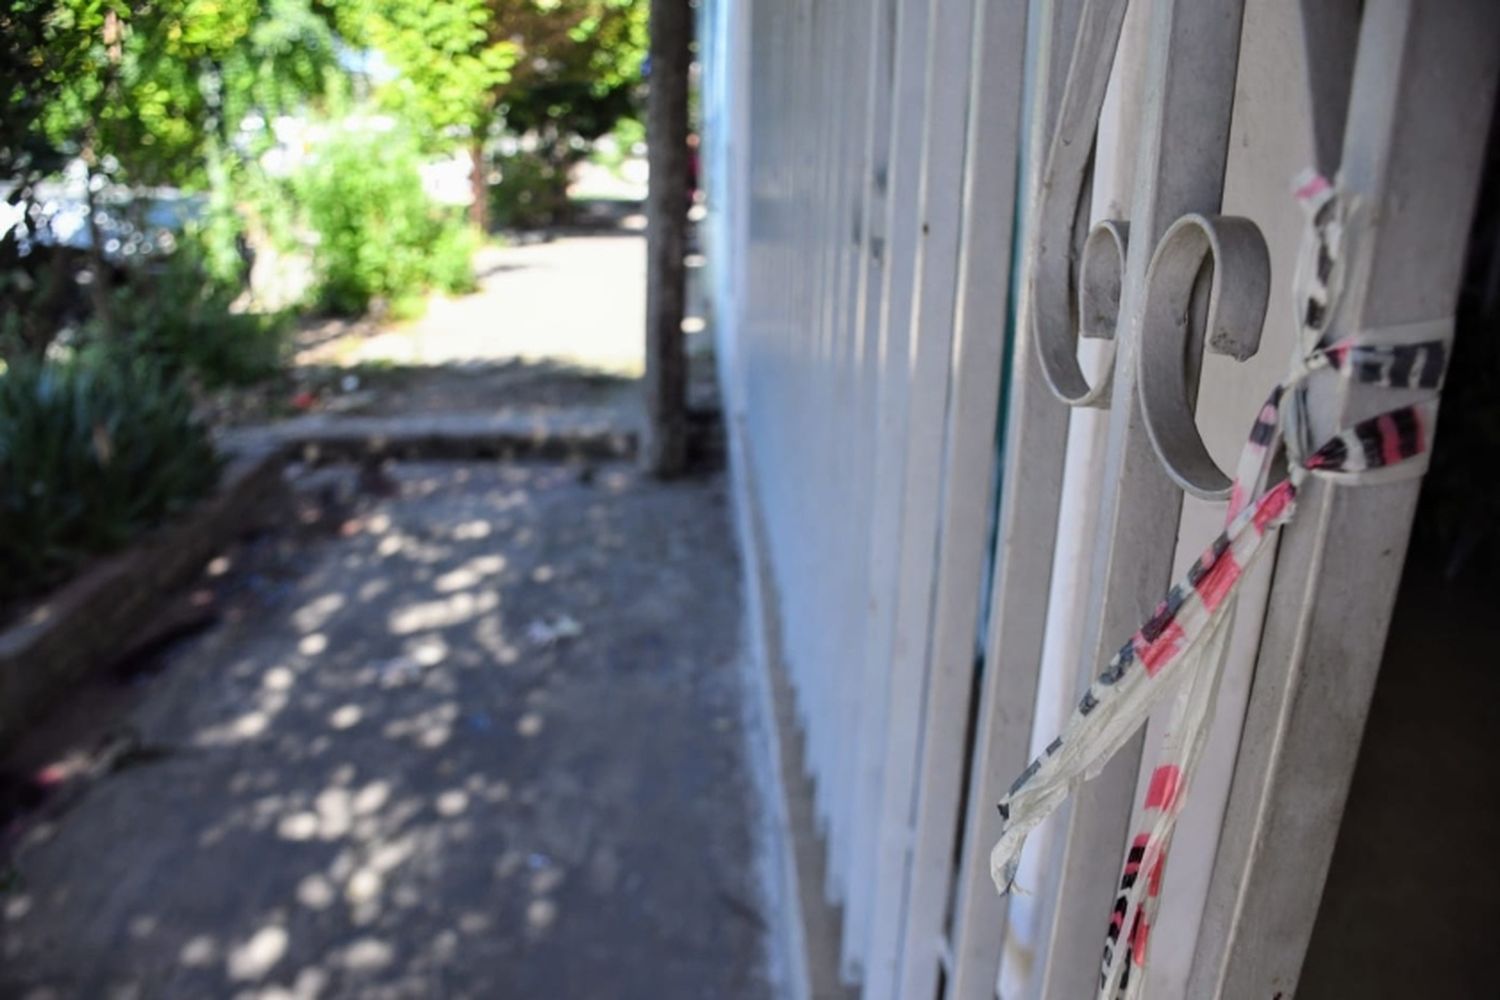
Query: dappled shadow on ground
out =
(473, 733)
(519, 387)
(531, 389)
(493, 267)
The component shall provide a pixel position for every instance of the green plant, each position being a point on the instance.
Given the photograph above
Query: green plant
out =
(448, 57)
(182, 328)
(577, 70)
(180, 312)
(531, 194)
(93, 449)
(378, 234)
(136, 95)
(627, 135)
(451, 260)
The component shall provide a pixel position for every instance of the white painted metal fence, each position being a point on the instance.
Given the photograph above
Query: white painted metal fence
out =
(964, 505)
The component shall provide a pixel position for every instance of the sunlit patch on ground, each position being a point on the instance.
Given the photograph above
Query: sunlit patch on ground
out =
(528, 307)
(466, 741)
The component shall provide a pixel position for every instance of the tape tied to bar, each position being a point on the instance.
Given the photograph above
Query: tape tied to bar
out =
(1179, 651)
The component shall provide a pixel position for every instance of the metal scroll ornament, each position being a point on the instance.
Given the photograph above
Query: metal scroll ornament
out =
(1206, 286)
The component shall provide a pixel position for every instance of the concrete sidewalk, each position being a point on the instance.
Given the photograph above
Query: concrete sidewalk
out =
(467, 730)
(577, 300)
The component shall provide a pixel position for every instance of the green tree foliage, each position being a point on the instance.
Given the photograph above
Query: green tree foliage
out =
(144, 92)
(577, 74)
(579, 64)
(153, 85)
(38, 56)
(40, 53)
(447, 65)
(161, 92)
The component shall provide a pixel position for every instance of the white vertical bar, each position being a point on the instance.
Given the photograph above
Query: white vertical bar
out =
(1419, 114)
(1271, 140)
(866, 291)
(1035, 433)
(846, 618)
(984, 267)
(894, 318)
(800, 568)
(845, 470)
(1078, 509)
(1191, 73)
(812, 400)
(949, 50)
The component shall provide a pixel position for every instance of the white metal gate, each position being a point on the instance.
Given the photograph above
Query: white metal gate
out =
(921, 206)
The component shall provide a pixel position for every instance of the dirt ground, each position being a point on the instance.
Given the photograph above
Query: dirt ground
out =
(446, 730)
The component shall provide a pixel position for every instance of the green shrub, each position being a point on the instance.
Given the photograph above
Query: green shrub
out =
(628, 134)
(379, 236)
(179, 312)
(219, 347)
(93, 450)
(532, 192)
(451, 262)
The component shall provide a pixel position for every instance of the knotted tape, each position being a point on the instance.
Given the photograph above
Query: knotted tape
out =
(1181, 649)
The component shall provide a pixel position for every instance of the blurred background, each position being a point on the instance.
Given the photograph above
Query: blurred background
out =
(344, 651)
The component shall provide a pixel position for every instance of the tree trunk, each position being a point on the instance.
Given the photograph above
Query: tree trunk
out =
(479, 211)
(99, 290)
(665, 447)
(559, 160)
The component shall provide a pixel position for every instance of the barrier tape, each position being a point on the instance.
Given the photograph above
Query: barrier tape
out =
(1181, 649)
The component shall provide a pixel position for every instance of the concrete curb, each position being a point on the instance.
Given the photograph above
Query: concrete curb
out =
(450, 436)
(62, 639)
(54, 645)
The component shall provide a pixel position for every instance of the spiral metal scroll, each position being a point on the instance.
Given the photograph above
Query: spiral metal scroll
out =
(1077, 278)
(1238, 289)
(1058, 251)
